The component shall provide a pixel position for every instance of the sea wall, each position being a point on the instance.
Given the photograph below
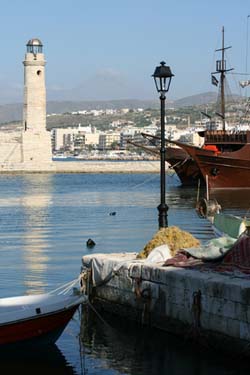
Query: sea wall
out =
(210, 307)
(82, 167)
(108, 167)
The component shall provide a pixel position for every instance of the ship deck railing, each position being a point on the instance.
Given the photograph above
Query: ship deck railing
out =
(221, 136)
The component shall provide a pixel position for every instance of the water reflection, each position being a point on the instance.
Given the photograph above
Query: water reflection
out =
(233, 199)
(45, 222)
(37, 361)
(35, 202)
(122, 347)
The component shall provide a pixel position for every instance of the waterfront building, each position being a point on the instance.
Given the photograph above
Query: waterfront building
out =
(106, 140)
(83, 141)
(74, 138)
(129, 134)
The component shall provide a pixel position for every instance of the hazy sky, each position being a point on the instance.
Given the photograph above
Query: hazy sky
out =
(108, 49)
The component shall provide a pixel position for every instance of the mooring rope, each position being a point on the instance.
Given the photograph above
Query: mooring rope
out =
(145, 181)
(98, 315)
(65, 288)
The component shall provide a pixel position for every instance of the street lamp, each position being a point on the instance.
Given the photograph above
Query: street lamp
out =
(162, 77)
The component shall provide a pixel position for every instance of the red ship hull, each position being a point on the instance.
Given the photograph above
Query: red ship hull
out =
(225, 170)
(184, 166)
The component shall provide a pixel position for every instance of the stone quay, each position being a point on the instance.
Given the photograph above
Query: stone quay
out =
(211, 308)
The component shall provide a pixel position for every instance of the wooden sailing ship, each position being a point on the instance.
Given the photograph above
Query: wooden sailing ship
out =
(178, 159)
(225, 156)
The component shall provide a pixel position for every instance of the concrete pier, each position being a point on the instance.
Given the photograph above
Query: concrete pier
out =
(210, 307)
(82, 167)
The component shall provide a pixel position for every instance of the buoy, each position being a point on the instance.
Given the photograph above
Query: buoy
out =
(90, 243)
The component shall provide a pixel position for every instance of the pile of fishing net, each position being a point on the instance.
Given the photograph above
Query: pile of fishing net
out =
(173, 237)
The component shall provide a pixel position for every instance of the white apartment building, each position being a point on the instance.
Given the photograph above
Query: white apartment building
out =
(66, 137)
(83, 140)
(150, 129)
(107, 139)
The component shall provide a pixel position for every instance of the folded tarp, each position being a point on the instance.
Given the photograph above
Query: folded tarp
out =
(213, 249)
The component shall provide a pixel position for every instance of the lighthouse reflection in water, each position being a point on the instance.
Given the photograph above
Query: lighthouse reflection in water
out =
(46, 220)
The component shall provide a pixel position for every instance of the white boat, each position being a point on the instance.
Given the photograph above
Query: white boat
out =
(60, 156)
(222, 224)
(230, 225)
(36, 319)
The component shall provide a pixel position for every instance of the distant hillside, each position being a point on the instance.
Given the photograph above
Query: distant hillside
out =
(199, 99)
(66, 106)
(13, 112)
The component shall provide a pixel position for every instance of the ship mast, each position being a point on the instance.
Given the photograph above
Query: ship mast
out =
(221, 69)
(222, 81)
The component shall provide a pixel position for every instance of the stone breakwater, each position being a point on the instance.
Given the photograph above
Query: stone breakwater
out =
(83, 167)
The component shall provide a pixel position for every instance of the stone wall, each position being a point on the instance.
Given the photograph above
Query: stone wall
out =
(36, 147)
(211, 306)
(10, 152)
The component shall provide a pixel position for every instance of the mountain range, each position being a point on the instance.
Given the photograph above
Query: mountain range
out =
(13, 112)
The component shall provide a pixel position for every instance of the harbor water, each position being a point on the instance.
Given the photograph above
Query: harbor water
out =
(46, 220)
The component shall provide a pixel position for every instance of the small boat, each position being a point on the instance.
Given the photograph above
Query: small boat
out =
(36, 319)
(229, 225)
(223, 224)
(60, 156)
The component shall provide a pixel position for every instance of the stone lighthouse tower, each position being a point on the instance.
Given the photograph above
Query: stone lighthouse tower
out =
(36, 141)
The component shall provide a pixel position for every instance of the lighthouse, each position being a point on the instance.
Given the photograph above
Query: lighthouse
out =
(36, 140)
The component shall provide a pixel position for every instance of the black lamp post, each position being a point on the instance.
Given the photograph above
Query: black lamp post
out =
(162, 77)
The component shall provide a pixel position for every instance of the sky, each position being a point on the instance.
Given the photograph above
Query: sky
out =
(108, 49)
